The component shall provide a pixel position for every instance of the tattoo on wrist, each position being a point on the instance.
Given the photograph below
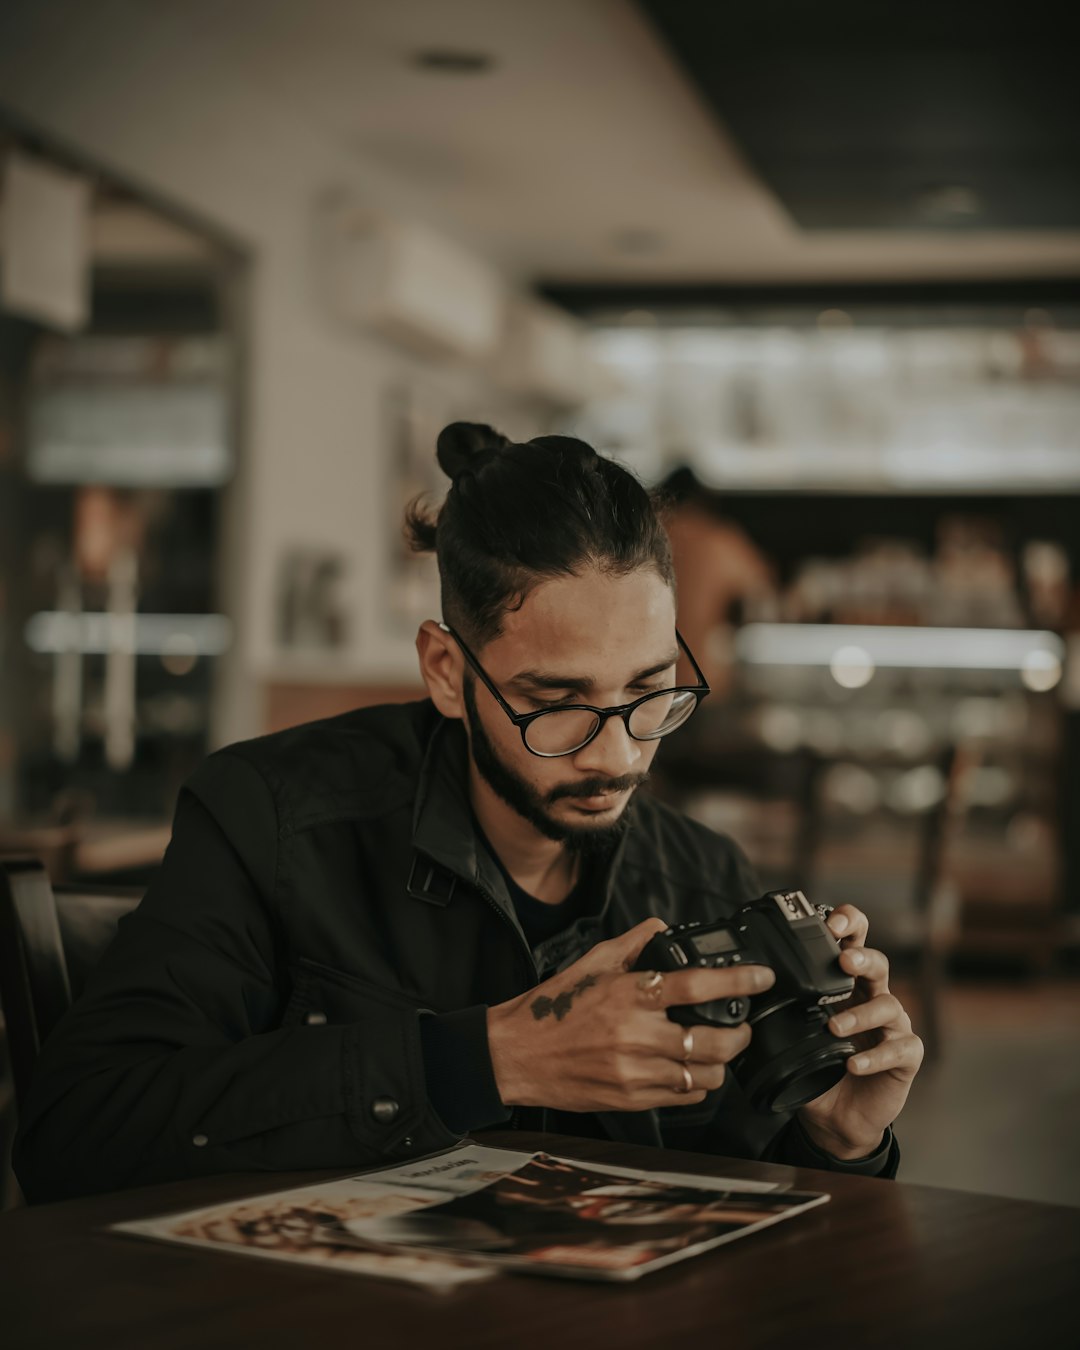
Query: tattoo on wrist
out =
(560, 1005)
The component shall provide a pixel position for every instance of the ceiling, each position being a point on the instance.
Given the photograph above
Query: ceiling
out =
(584, 152)
(956, 116)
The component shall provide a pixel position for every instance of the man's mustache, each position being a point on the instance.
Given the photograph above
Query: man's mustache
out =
(593, 787)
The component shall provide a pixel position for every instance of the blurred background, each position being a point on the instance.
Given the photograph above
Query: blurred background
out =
(814, 270)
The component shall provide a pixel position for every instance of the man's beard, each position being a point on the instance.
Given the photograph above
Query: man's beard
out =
(531, 804)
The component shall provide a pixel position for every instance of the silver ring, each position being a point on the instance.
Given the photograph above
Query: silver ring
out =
(823, 911)
(688, 1082)
(687, 1043)
(650, 980)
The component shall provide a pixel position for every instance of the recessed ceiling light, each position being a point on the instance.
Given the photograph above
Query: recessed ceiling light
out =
(453, 61)
(950, 201)
(638, 239)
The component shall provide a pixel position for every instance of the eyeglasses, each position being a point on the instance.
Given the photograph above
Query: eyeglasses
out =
(552, 732)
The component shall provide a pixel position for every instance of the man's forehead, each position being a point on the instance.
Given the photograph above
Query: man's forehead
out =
(595, 629)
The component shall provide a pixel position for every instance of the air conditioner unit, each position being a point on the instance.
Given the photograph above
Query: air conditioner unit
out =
(543, 355)
(411, 285)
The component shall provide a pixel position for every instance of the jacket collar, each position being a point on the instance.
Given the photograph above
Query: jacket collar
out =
(443, 828)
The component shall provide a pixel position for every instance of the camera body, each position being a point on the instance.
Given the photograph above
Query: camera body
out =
(793, 1057)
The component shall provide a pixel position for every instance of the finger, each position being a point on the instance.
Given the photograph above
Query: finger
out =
(899, 1053)
(621, 953)
(703, 986)
(868, 965)
(665, 1073)
(884, 1011)
(849, 924)
(665, 1097)
(709, 1045)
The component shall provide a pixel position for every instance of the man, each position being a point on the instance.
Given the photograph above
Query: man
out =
(373, 934)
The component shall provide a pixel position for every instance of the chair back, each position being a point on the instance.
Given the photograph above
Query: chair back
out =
(49, 942)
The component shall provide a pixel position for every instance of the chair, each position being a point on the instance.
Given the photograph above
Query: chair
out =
(50, 940)
(914, 913)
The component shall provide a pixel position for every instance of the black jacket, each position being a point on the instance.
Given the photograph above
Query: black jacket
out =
(323, 889)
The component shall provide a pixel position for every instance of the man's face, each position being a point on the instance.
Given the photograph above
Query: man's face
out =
(591, 638)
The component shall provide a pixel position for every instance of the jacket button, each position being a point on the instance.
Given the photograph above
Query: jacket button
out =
(384, 1109)
(200, 1140)
(315, 1018)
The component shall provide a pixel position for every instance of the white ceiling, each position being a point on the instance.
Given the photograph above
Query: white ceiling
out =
(584, 130)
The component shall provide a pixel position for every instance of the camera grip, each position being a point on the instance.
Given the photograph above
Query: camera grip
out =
(729, 1012)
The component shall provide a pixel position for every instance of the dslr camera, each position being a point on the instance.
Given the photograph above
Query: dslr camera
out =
(793, 1057)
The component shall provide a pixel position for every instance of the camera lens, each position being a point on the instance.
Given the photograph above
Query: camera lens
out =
(792, 1059)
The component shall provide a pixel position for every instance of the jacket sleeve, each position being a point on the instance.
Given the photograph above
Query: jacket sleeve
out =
(793, 1146)
(190, 1051)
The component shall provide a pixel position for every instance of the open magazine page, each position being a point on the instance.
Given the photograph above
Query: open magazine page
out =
(289, 1225)
(489, 1207)
(556, 1216)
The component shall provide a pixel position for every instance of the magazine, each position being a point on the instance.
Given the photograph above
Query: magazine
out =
(459, 1217)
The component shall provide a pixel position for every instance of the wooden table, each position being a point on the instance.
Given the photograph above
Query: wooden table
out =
(883, 1265)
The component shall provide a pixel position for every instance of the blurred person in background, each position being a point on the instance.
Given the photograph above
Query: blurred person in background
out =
(719, 570)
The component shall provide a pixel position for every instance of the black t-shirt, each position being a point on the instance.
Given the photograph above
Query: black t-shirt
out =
(540, 919)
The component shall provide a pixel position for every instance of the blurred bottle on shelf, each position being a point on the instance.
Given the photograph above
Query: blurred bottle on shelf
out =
(969, 582)
(1045, 566)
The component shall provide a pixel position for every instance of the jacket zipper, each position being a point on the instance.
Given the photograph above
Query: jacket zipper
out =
(504, 918)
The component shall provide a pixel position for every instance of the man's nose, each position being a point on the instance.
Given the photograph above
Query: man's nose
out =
(612, 751)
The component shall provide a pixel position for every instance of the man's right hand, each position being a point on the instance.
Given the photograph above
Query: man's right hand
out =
(597, 1037)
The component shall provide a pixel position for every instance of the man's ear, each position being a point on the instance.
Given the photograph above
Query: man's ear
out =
(442, 666)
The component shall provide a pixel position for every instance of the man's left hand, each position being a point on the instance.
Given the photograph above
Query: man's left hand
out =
(850, 1119)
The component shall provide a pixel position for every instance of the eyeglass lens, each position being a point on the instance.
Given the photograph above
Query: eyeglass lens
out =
(562, 731)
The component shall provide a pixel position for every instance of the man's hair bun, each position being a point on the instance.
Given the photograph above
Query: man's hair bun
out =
(519, 513)
(465, 447)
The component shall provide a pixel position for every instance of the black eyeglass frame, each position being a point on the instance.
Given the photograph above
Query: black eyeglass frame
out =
(623, 710)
